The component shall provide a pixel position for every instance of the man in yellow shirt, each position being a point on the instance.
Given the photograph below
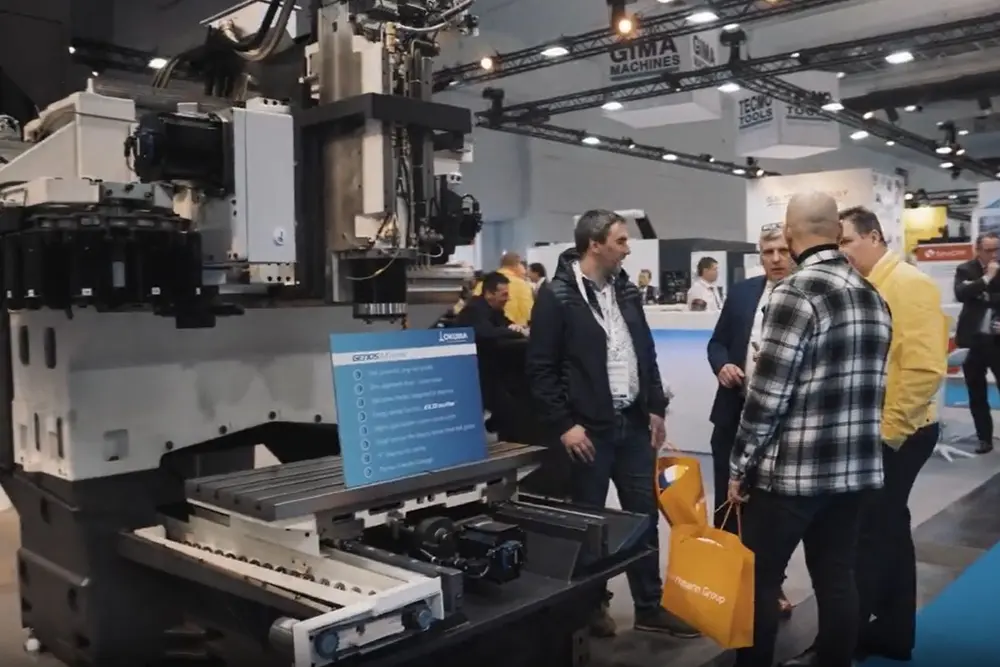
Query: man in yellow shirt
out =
(522, 297)
(886, 573)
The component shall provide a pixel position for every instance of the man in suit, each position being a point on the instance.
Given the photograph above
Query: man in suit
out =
(978, 290)
(645, 284)
(732, 355)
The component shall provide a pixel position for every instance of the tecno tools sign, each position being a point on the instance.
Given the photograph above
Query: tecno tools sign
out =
(644, 58)
(755, 111)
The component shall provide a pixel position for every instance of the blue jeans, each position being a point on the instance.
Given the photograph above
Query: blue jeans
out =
(624, 455)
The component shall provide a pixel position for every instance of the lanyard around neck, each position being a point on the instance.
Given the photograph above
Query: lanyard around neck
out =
(601, 317)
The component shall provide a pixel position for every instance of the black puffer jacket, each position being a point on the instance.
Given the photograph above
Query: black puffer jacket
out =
(567, 355)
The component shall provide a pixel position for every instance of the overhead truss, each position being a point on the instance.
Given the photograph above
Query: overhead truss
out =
(625, 146)
(598, 42)
(924, 43)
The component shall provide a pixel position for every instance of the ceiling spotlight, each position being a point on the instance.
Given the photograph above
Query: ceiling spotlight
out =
(670, 157)
(963, 133)
(612, 105)
(72, 50)
(157, 63)
(947, 165)
(910, 107)
(841, 75)
(95, 73)
(555, 51)
(702, 17)
(729, 87)
(591, 141)
(943, 150)
(740, 171)
(859, 135)
(899, 58)
(953, 196)
(796, 54)
(731, 27)
(625, 25)
(959, 151)
(486, 63)
(664, 2)
(832, 105)
(759, 172)
(869, 115)
(908, 196)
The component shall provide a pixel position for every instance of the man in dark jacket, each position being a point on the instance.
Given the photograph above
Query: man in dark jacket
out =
(978, 290)
(484, 313)
(591, 366)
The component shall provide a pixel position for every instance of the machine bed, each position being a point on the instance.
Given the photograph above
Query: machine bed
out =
(294, 490)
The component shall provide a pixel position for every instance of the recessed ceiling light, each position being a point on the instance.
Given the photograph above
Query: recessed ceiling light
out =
(702, 16)
(899, 58)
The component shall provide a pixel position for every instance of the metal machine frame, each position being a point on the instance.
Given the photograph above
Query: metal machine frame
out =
(166, 318)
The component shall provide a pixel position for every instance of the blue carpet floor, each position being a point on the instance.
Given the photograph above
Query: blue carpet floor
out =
(961, 626)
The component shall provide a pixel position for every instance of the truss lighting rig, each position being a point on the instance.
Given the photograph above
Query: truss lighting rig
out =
(170, 282)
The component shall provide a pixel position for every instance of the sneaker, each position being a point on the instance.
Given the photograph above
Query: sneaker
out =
(602, 626)
(662, 621)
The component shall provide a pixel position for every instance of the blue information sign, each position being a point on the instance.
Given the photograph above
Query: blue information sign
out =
(408, 402)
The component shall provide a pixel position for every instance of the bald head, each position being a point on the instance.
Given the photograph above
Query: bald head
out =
(510, 260)
(812, 216)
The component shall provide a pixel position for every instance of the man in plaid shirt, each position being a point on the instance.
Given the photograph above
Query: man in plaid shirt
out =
(809, 445)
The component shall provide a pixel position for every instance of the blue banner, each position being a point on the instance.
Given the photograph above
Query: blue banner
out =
(408, 402)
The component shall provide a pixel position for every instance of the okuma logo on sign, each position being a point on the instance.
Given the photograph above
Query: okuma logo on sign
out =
(755, 111)
(453, 337)
(643, 58)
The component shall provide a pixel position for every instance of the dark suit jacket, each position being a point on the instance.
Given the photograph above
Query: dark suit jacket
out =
(728, 345)
(977, 298)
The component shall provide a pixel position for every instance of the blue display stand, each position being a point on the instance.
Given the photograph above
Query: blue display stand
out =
(408, 402)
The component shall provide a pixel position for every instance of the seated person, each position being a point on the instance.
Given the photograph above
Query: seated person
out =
(484, 313)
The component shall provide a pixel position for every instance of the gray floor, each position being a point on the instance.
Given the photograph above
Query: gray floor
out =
(953, 505)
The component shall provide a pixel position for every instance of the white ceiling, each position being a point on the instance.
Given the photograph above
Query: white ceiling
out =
(513, 24)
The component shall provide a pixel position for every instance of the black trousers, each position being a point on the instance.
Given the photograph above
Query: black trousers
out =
(984, 355)
(723, 438)
(887, 562)
(773, 526)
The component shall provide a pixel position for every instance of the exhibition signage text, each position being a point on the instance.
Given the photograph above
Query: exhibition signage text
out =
(408, 402)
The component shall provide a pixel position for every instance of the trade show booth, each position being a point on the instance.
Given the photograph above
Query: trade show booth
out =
(882, 193)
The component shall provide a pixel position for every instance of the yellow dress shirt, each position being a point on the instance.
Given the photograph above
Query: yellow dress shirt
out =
(918, 353)
(522, 298)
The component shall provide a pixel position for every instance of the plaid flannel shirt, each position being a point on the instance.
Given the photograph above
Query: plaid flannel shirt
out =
(811, 423)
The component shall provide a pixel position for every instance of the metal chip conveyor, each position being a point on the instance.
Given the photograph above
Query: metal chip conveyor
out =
(294, 490)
